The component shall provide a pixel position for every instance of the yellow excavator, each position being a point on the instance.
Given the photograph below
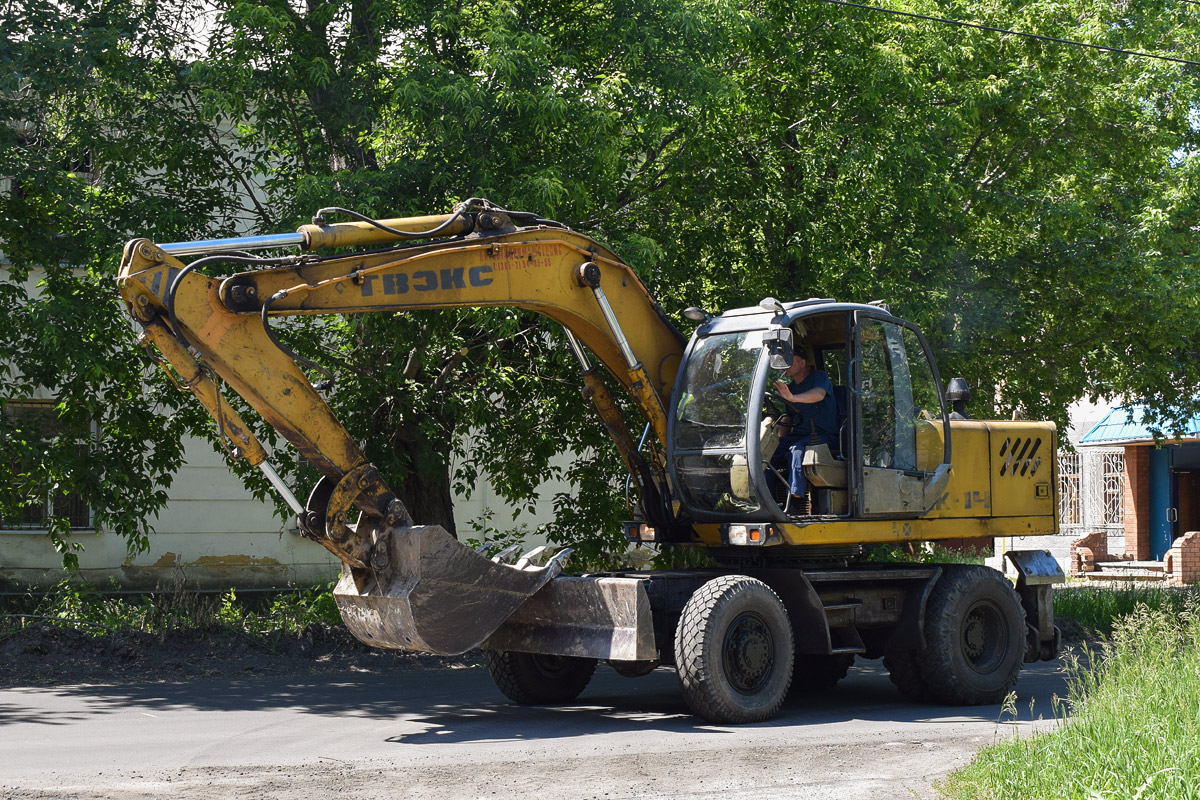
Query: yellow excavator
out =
(793, 599)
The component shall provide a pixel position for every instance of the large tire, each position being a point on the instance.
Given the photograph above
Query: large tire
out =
(536, 679)
(974, 637)
(816, 673)
(634, 669)
(905, 672)
(733, 650)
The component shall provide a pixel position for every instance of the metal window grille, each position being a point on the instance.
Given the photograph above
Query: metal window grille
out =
(1070, 508)
(1112, 477)
(1091, 488)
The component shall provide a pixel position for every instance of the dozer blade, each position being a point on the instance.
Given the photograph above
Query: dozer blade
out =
(436, 595)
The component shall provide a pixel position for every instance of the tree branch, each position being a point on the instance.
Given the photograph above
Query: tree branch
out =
(265, 217)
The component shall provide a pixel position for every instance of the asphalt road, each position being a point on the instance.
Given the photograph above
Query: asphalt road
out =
(451, 734)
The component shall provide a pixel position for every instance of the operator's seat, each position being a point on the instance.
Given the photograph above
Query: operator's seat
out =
(822, 468)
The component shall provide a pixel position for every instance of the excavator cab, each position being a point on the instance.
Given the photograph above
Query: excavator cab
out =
(732, 436)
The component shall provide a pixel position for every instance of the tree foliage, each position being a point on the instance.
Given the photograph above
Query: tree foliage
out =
(1031, 205)
(86, 155)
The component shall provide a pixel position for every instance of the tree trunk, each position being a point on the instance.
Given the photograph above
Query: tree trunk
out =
(421, 476)
(427, 495)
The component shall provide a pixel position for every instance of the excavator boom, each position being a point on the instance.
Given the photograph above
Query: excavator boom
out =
(400, 578)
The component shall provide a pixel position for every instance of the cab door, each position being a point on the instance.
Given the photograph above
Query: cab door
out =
(902, 430)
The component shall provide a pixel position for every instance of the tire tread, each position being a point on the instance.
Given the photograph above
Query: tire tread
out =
(704, 693)
(937, 662)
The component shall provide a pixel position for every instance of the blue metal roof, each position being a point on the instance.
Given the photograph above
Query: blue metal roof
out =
(1124, 424)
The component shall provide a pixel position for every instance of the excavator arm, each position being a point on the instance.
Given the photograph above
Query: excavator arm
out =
(212, 330)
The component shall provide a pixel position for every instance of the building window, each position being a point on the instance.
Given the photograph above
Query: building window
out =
(1070, 507)
(38, 420)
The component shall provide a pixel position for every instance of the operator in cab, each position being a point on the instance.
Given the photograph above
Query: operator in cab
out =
(813, 420)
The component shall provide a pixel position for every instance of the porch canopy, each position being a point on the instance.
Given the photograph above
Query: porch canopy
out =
(1128, 425)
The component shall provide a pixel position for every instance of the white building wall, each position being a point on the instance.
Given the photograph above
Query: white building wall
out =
(214, 534)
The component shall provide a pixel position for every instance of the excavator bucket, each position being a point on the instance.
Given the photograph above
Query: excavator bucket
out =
(435, 595)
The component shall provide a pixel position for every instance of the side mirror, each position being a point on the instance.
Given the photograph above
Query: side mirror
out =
(779, 346)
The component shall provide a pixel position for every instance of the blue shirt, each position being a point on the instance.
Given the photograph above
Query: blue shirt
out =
(820, 416)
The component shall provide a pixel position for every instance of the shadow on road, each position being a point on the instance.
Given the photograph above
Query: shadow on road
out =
(454, 706)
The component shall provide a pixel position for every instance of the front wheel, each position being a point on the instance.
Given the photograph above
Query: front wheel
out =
(537, 679)
(733, 650)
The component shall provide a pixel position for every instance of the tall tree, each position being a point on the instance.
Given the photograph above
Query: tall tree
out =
(1031, 204)
(400, 107)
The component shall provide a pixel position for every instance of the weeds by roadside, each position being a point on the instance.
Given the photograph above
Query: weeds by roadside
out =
(84, 608)
(1133, 729)
(1098, 608)
(924, 552)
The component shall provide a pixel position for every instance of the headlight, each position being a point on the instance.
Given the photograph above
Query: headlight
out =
(639, 532)
(756, 534)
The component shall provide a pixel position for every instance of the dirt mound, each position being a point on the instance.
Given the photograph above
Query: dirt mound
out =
(1073, 632)
(42, 655)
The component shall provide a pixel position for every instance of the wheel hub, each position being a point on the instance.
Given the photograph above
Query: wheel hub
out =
(749, 653)
(983, 640)
(552, 666)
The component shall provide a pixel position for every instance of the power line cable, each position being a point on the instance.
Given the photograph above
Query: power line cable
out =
(964, 24)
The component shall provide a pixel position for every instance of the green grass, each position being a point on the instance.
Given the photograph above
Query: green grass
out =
(1097, 608)
(1133, 729)
(89, 610)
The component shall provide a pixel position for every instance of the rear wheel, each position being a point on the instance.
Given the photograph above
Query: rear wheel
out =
(537, 679)
(733, 650)
(974, 637)
(819, 673)
(633, 669)
(905, 672)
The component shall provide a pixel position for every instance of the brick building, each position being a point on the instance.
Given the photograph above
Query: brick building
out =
(1160, 497)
